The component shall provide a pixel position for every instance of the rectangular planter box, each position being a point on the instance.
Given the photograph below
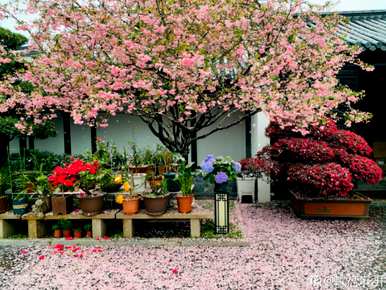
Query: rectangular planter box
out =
(357, 207)
(61, 204)
(246, 186)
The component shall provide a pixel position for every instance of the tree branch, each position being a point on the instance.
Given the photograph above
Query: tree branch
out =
(226, 127)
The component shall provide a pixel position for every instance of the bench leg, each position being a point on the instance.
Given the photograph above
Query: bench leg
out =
(6, 229)
(35, 229)
(128, 228)
(195, 228)
(98, 228)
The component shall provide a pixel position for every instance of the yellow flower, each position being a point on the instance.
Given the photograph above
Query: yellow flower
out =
(119, 198)
(126, 186)
(118, 179)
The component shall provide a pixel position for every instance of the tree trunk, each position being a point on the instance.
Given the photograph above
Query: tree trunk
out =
(4, 143)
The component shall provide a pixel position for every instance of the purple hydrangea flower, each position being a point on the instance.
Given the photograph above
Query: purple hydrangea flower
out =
(221, 177)
(207, 166)
(210, 158)
(236, 166)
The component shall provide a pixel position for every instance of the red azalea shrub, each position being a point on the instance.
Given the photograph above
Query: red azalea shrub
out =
(259, 164)
(364, 169)
(302, 150)
(350, 141)
(326, 160)
(70, 175)
(329, 179)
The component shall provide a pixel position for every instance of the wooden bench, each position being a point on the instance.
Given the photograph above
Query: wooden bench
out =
(36, 228)
(195, 218)
(6, 229)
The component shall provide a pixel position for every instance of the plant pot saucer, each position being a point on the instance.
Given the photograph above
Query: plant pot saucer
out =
(154, 213)
(88, 214)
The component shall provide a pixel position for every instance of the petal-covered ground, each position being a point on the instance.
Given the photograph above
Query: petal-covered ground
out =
(284, 252)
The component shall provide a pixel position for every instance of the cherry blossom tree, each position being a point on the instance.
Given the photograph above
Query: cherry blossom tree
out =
(182, 66)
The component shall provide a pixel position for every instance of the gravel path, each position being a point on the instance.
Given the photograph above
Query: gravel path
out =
(283, 253)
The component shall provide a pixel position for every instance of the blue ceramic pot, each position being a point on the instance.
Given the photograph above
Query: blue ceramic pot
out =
(20, 205)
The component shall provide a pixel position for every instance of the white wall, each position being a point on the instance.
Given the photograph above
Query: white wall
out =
(14, 145)
(124, 128)
(229, 142)
(52, 144)
(259, 123)
(80, 138)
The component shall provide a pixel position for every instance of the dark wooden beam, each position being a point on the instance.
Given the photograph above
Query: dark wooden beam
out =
(22, 145)
(248, 137)
(31, 142)
(93, 139)
(67, 133)
(193, 153)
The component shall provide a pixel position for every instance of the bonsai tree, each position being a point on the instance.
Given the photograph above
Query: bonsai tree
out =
(188, 69)
(325, 162)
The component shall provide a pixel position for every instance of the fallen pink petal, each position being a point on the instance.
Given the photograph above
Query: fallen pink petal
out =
(196, 144)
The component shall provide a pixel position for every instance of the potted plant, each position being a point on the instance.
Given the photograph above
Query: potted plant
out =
(136, 161)
(20, 203)
(246, 179)
(185, 197)
(321, 170)
(128, 199)
(23, 187)
(4, 184)
(108, 181)
(157, 200)
(154, 181)
(57, 231)
(220, 171)
(66, 226)
(87, 229)
(78, 233)
(42, 204)
(84, 176)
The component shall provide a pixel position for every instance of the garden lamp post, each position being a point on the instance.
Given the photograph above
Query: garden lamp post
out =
(221, 211)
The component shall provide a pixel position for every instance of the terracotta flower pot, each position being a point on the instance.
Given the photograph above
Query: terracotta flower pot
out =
(155, 182)
(89, 234)
(156, 206)
(184, 203)
(58, 233)
(61, 204)
(67, 233)
(140, 169)
(77, 234)
(162, 170)
(131, 205)
(3, 204)
(91, 205)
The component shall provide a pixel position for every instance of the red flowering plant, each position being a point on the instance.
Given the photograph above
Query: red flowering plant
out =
(330, 179)
(77, 174)
(325, 162)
